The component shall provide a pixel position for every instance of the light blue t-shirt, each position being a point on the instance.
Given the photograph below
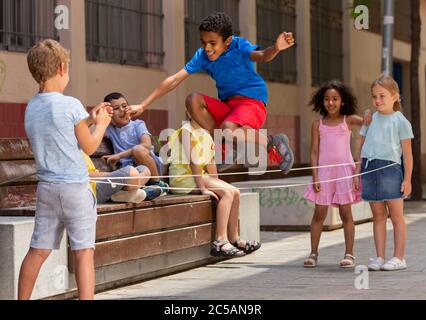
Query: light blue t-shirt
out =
(127, 137)
(383, 137)
(233, 71)
(50, 120)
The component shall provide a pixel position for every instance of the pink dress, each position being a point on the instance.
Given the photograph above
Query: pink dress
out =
(334, 148)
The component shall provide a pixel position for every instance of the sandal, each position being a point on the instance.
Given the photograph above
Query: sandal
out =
(219, 250)
(312, 261)
(249, 247)
(348, 261)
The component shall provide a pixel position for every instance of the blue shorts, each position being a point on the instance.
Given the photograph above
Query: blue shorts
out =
(383, 184)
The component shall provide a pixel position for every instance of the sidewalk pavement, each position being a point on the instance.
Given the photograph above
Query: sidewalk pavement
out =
(276, 271)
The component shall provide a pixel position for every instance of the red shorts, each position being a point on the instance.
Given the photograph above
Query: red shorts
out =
(240, 110)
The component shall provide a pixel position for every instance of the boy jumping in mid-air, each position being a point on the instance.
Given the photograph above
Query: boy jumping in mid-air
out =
(243, 95)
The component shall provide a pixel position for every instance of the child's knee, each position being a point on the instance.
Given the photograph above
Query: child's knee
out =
(193, 100)
(229, 125)
(84, 253)
(41, 254)
(133, 172)
(139, 151)
(145, 173)
(236, 193)
(320, 214)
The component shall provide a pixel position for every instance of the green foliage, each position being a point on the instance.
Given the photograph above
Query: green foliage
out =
(356, 3)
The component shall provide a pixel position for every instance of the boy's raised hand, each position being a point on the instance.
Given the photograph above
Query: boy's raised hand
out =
(134, 111)
(101, 114)
(284, 41)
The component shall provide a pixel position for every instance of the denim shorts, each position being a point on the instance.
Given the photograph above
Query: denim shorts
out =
(64, 206)
(383, 184)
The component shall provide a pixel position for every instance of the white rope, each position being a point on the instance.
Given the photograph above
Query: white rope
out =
(263, 187)
(226, 173)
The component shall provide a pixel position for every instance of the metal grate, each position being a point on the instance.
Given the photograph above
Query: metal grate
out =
(326, 40)
(196, 10)
(274, 17)
(403, 20)
(375, 17)
(24, 22)
(125, 32)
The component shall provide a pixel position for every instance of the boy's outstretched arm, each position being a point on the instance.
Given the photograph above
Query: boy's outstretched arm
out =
(284, 41)
(164, 87)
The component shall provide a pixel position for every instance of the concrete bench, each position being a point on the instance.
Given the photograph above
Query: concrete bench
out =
(133, 242)
(285, 209)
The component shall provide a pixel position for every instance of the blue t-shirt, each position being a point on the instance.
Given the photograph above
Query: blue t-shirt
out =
(127, 137)
(384, 135)
(233, 71)
(50, 120)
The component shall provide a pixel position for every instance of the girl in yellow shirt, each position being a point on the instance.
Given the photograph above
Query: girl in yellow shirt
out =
(192, 153)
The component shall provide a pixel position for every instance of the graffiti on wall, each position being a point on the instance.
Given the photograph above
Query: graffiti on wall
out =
(276, 197)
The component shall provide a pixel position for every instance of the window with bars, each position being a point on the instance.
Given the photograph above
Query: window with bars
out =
(402, 20)
(274, 17)
(125, 32)
(24, 22)
(326, 40)
(375, 16)
(197, 10)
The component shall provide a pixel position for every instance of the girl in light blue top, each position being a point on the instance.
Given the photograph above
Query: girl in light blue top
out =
(385, 141)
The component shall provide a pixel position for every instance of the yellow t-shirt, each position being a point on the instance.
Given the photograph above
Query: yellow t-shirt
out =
(202, 154)
(90, 168)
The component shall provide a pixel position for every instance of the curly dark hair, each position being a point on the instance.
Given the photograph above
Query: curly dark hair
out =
(349, 101)
(218, 22)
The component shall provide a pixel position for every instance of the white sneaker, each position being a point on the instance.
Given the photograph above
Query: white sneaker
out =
(129, 196)
(376, 263)
(394, 264)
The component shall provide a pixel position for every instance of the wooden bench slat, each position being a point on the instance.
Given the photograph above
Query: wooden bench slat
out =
(161, 201)
(127, 223)
(15, 197)
(15, 149)
(10, 170)
(117, 251)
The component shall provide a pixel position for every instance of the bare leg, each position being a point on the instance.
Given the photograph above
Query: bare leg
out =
(234, 217)
(316, 226)
(85, 273)
(30, 269)
(141, 155)
(345, 212)
(396, 210)
(240, 134)
(138, 182)
(223, 211)
(380, 216)
(197, 108)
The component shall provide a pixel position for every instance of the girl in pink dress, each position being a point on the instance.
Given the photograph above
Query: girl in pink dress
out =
(330, 145)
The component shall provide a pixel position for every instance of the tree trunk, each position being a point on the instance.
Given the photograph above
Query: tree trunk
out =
(415, 100)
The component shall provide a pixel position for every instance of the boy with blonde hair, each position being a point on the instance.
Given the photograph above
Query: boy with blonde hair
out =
(58, 129)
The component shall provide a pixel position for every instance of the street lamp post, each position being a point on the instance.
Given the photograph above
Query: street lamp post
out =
(387, 42)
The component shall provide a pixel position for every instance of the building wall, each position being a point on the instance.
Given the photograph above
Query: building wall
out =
(287, 108)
